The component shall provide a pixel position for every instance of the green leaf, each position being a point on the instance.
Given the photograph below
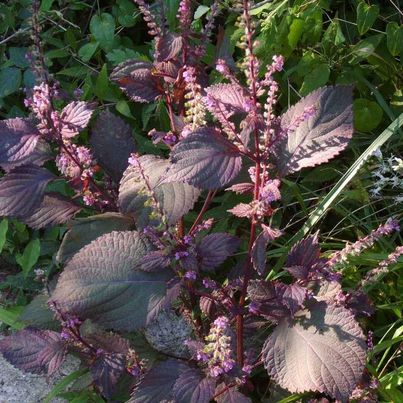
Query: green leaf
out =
(62, 385)
(103, 28)
(10, 318)
(123, 108)
(126, 13)
(394, 38)
(367, 115)
(315, 79)
(87, 51)
(3, 233)
(200, 11)
(104, 282)
(17, 57)
(46, 5)
(10, 81)
(366, 16)
(365, 48)
(296, 31)
(75, 71)
(30, 256)
(333, 35)
(102, 83)
(37, 314)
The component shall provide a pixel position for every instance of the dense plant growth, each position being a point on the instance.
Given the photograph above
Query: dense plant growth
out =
(147, 261)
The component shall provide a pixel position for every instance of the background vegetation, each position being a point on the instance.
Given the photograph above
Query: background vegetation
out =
(324, 42)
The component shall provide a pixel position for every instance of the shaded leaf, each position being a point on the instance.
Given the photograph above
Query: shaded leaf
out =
(75, 117)
(230, 394)
(193, 387)
(215, 248)
(18, 140)
(37, 314)
(394, 38)
(104, 282)
(135, 78)
(367, 114)
(323, 351)
(112, 143)
(175, 199)
(322, 136)
(103, 28)
(36, 351)
(168, 46)
(366, 16)
(204, 159)
(157, 384)
(106, 371)
(259, 247)
(227, 98)
(22, 190)
(84, 230)
(30, 256)
(54, 209)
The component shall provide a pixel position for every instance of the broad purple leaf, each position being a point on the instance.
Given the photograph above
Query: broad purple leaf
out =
(32, 350)
(205, 159)
(136, 79)
(168, 46)
(230, 394)
(175, 199)
(322, 350)
(54, 209)
(304, 255)
(259, 247)
(359, 304)
(19, 140)
(112, 143)
(22, 190)
(155, 261)
(227, 100)
(106, 341)
(75, 118)
(322, 136)
(157, 384)
(193, 387)
(242, 188)
(104, 282)
(215, 248)
(84, 230)
(106, 371)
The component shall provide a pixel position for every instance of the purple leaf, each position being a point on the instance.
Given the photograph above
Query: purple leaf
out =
(230, 394)
(242, 210)
(104, 282)
(168, 46)
(84, 230)
(157, 384)
(75, 117)
(155, 261)
(204, 159)
(242, 188)
(22, 190)
(18, 140)
(227, 100)
(112, 143)
(259, 247)
(275, 300)
(215, 248)
(193, 387)
(36, 351)
(319, 138)
(359, 304)
(136, 79)
(304, 255)
(207, 306)
(175, 199)
(324, 350)
(54, 209)
(106, 371)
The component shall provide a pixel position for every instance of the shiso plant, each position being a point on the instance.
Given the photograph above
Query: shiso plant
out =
(222, 323)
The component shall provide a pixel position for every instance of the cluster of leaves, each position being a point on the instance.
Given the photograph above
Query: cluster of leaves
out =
(138, 255)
